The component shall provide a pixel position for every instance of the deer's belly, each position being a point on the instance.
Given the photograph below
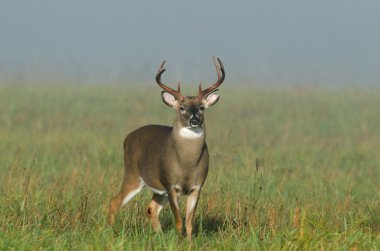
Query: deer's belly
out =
(182, 188)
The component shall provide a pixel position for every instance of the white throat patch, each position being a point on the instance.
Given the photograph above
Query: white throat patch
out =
(191, 133)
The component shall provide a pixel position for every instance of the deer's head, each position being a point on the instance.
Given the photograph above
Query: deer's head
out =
(190, 109)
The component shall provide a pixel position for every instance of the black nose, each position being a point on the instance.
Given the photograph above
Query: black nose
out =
(194, 121)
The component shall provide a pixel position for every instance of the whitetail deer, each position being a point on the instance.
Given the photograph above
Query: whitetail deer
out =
(169, 160)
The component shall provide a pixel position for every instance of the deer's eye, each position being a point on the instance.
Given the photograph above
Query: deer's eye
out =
(182, 109)
(202, 108)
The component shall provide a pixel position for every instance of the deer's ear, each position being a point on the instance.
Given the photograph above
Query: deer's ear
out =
(211, 99)
(169, 99)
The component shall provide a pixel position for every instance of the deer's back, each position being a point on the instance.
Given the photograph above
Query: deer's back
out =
(147, 139)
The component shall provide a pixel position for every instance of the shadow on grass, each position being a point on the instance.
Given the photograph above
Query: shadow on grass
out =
(209, 225)
(206, 226)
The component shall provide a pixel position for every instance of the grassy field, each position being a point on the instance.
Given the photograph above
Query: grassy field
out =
(290, 168)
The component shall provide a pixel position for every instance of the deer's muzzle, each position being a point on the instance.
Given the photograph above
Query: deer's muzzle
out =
(195, 121)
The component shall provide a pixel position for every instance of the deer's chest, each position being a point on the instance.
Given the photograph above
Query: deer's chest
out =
(186, 176)
(186, 165)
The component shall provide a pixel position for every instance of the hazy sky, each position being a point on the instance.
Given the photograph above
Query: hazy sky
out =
(275, 42)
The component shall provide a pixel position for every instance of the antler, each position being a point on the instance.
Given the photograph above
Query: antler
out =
(177, 93)
(221, 76)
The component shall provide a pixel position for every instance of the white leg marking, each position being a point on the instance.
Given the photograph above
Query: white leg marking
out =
(177, 187)
(191, 202)
(192, 199)
(162, 204)
(159, 209)
(196, 188)
(131, 195)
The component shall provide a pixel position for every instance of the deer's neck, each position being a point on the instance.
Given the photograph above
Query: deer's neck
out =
(188, 143)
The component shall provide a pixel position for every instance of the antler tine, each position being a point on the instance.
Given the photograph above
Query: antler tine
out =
(216, 66)
(161, 70)
(221, 76)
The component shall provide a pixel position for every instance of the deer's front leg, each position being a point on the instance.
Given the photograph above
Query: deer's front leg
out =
(191, 205)
(173, 200)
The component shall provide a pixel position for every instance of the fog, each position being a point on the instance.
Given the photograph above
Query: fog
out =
(323, 42)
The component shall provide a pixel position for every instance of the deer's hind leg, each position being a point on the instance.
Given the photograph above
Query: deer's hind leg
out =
(128, 190)
(153, 210)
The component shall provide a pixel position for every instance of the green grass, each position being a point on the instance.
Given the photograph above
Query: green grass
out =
(290, 168)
